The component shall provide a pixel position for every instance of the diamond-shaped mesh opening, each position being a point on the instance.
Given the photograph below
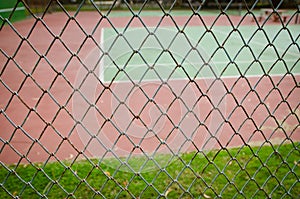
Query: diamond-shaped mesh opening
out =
(149, 99)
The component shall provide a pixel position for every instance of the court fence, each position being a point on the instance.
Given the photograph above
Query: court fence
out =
(150, 99)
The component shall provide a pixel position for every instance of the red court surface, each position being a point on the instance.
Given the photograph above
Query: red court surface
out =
(39, 110)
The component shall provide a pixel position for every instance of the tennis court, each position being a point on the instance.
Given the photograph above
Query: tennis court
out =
(189, 71)
(142, 65)
(243, 53)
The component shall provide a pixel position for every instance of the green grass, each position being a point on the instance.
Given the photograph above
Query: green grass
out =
(5, 12)
(258, 172)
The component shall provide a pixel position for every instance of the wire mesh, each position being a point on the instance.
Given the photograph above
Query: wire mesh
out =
(140, 99)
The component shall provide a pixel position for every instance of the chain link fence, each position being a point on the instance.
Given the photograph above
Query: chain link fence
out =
(150, 99)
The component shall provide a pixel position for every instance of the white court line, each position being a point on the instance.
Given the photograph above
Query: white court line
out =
(11, 9)
(212, 62)
(101, 64)
(247, 76)
(199, 78)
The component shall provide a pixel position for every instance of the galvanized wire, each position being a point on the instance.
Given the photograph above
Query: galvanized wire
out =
(230, 107)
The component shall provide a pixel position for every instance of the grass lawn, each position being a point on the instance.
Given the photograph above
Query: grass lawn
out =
(257, 172)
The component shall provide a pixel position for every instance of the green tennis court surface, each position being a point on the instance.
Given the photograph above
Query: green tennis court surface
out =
(164, 53)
